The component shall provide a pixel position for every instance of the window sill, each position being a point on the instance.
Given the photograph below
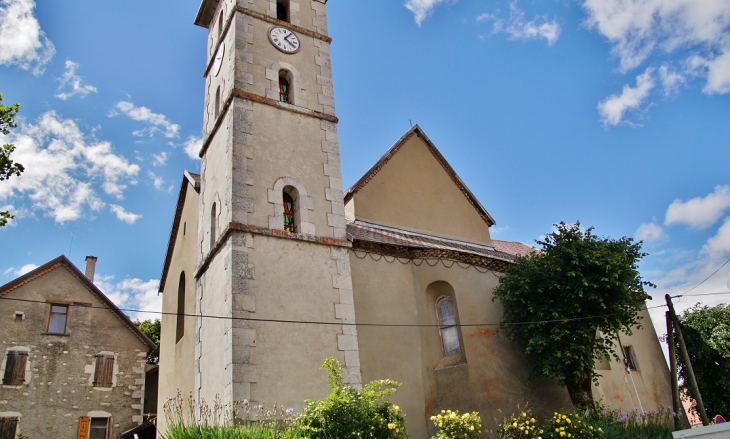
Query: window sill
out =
(452, 361)
(14, 386)
(56, 333)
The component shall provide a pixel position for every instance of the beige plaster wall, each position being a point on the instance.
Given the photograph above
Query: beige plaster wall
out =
(177, 358)
(58, 388)
(494, 375)
(411, 189)
(653, 388)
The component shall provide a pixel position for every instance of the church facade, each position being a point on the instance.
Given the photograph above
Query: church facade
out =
(393, 277)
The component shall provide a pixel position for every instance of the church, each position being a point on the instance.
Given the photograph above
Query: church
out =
(272, 266)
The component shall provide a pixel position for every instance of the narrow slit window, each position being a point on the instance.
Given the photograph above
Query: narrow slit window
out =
(289, 213)
(8, 427)
(15, 363)
(447, 326)
(180, 308)
(284, 87)
(630, 358)
(213, 212)
(282, 10)
(57, 319)
(104, 370)
(220, 25)
(218, 102)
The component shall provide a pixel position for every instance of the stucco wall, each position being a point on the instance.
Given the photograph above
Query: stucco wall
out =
(58, 388)
(408, 192)
(494, 375)
(177, 358)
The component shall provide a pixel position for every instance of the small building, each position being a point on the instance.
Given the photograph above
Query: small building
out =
(73, 364)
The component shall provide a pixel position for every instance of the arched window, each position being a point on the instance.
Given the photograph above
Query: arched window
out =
(212, 225)
(290, 210)
(285, 86)
(220, 25)
(448, 327)
(180, 308)
(218, 102)
(282, 10)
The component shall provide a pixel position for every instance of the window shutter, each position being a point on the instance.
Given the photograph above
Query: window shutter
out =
(8, 427)
(19, 377)
(84, 422)
(97, 369)
(11, 365)
(104, 371)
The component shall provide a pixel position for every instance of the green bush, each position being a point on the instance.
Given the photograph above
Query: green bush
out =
(451, 425)
(570, 425)
(522, 426)
(348, 412)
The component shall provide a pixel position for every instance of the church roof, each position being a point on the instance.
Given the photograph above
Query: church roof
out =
(417, 131)
(193, 180)
(63, 261)
(390, 241)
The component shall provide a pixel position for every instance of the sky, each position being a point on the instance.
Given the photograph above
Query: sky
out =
(614, 113)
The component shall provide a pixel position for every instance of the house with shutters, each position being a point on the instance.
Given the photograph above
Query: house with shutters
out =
(73, 365)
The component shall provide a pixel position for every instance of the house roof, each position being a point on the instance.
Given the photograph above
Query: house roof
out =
(188, 179)
(407, 244)
(417, 131)
(63, 261)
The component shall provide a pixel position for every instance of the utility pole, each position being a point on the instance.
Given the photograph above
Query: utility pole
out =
(685, 355)
(673, 370)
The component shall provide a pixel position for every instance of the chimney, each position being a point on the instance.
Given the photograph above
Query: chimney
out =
(90, 267)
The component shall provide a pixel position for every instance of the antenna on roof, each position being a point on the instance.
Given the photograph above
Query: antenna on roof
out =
(409, 121)
(71, 245)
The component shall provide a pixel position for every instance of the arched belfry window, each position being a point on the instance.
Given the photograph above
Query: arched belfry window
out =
(448, 326)
(285, 86)
(282, 10)
(180, 308)
(220, 25)
(290, 209)
(213, 212)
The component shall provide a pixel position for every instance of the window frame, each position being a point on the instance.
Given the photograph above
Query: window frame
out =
(286, 6)
(180, 315)
(52, 313)
(107, 427)
(454, 326)
(104, 364)
(630, 358)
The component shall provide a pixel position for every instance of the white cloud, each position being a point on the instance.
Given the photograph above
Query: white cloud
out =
(62, 168)
(22, 42)
(123, 215)
(157, 181)
(719, 245)
(671, 80)
(650, 232)
(637, 29)
(71, 83)
(157, 123)
(159, 159)
(133, 293)
(27, 268)
(613, 108)
(519, 29)
(422, 8)
(699, 213)
(193, 146)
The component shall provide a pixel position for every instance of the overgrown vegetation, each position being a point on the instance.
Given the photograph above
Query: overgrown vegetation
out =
(577, 285)
(8, 168)
(151, 328)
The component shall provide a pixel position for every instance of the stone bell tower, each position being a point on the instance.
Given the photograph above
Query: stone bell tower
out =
(272, 244)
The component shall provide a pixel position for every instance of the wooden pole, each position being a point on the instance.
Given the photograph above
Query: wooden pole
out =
(690, 372)
(673, 370)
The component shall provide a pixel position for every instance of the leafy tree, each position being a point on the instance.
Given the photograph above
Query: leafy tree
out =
(576, 285)
(7, 167)
(706, 332)
(151, 328)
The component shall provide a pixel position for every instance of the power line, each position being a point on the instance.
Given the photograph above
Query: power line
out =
(312, 322)
(703, 281)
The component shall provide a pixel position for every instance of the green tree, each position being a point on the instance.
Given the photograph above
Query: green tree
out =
(706, 332)
(7, 167)
(151, 328)
(576, 285)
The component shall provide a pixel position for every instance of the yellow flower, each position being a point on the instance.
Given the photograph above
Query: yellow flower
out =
(514, 425)
(471, 428)
(524, 415)
(391, 426)
(562, 434)
(396, 408)
(568, 421)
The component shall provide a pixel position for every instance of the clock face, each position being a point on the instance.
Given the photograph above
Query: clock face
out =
(284, 39)
(218, 62)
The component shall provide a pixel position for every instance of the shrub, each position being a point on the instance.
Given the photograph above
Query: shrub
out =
(452, 425)
(634, 424)
(348, 412)
(521, 426)
(570, 425)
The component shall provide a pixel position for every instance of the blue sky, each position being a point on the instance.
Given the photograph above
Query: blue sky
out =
(611, 112)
